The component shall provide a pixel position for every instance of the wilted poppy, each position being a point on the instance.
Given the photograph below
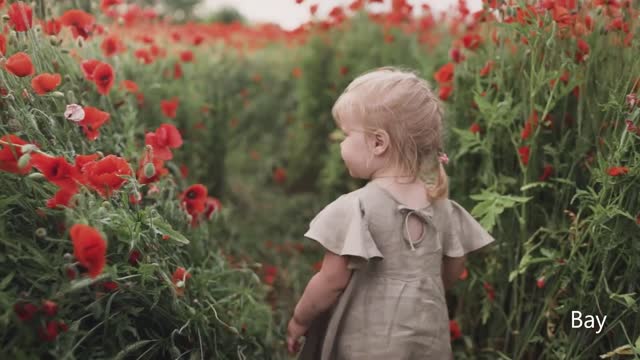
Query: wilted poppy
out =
(19, 64)
(89, 247)
(45, 83)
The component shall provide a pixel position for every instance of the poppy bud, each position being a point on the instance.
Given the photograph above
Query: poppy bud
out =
(36, 176)
(71, 97)
(80, 42)
(53, 40)
(6, 17)
(40, 233)
(24, 160)
(28, 148)
(149, 170)
(67, 257)
(57, 94)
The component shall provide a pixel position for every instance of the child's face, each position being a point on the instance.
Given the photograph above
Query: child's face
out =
(355, 151)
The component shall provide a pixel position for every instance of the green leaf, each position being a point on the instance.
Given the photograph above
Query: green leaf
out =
(133, 347)
(6, 280)
(166, 229)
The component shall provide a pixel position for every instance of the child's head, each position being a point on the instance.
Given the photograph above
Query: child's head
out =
(393, 123)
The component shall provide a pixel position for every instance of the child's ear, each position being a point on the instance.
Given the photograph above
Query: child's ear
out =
(381, 142)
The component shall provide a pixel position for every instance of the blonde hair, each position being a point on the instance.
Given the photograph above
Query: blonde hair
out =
(401, 103)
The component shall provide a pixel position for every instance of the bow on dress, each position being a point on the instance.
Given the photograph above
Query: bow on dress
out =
(425, 214)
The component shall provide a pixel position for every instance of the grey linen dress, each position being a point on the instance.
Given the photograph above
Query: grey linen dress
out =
(394, 305)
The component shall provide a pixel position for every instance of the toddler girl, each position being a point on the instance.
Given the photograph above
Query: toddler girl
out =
(394, 245)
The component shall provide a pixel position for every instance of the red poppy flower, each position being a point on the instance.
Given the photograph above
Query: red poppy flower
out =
(103, 77)
(445, 73)
(62, 198)
(55, 169)
(158, 166)
(104, 175)
(279, 175)
(487, 68)
(546, 172)
(186, 56)
(270, 273)
(19, 64)
(25, 311)
(523, 151)
(179, 279)
(194, 201)
(313, 9)
(3, 45)
(134, 258)
(106, 4)
(162, 140)
(49, 308)
(177, 71)
(88, 67)
(212, 206)
(45, 83)
(50, 331)
(93, 119)
(583, 51)
(20, 16)
(444, 92)
(130, 86)
(617, 170)
(454, 330)
(540, 282)
(110, 286)
(169, 107)
(81, 23)
(488, 288)
(474, 128)
(89, 247)
(10, 153)
(144, 56)
(52, 27)
(471, 41)
(456, 55)
(111, 45)
(464, 275)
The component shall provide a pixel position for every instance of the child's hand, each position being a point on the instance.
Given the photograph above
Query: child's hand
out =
(294, 331)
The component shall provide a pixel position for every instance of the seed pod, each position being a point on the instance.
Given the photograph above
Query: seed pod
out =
(41, 233)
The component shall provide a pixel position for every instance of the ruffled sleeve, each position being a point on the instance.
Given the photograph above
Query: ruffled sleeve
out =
(465, 234)
(341, 228)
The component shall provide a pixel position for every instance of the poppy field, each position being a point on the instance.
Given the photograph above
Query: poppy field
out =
(156, 176)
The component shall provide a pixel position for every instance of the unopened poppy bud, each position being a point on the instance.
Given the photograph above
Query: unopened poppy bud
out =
(41, 233)
(64, 51)
(80, 41)
(67, 257)
(53, 40)
(57, 94)
(106, 204)
(36, 176)
(24, 160)
(6, 17)
(149, 170)
(28, 148)
(71, 97)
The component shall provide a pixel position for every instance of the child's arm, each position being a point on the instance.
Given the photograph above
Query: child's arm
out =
(323, 289)
(452, 267)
